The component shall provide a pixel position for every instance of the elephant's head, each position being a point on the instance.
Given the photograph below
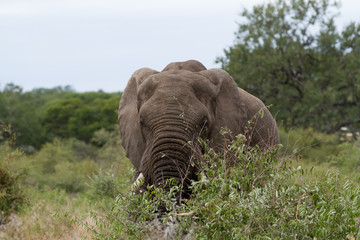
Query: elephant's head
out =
(161, 112)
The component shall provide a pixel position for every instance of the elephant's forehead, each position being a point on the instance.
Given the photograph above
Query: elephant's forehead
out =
(175, 82)
(173, 93)
(166, 85)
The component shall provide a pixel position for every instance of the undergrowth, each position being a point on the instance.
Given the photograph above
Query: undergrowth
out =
(252, 199)
(70, 190)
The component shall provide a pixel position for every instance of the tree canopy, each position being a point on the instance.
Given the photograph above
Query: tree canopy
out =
(42, 114)
(81, 114)
(23, 111)
(291, 55)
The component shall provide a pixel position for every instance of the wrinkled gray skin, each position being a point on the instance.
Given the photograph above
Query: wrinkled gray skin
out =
(160, 112)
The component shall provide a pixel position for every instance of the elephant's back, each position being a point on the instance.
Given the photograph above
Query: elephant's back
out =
(190, 65)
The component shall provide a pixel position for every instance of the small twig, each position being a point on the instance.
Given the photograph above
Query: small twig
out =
(183, 214)
(122, 223)
(256, 178)
(297, 206)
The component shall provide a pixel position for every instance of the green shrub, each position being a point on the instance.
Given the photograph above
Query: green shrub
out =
(103, 184)
(311, 145)
(109, 151)
(320, 152)
(70, 176)
(63, 164)
(115, 170)
(68, 163)
(348, 159)
(12, 196)
(252, 199)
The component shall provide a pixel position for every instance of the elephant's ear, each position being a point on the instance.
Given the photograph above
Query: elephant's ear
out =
(131, 136)
(228, 109)
(234, 108)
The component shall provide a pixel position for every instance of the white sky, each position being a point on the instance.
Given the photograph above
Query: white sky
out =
(98, 44)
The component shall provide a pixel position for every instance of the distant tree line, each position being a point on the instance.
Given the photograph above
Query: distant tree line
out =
(42, 114)
(290, 55)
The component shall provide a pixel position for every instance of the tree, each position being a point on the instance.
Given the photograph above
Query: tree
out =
(290, 54)
(23, 111)
(17, 110)
(81, 114)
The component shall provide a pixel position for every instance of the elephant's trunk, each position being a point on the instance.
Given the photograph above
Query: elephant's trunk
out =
(171, 158)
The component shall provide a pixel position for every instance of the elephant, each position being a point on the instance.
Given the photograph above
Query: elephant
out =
(160, 113)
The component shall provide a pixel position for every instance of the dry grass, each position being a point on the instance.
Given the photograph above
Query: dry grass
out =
(41, 222)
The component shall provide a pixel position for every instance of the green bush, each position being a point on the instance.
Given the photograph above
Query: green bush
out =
(103, 184)
(109, 148)
(12, 196)
(320, 152)
(252, 199)
(68, 163)
(63, 164)
(115, 170)
(348, 158)
(308, 143)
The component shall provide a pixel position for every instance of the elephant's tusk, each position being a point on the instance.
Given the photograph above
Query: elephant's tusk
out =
(140, 179)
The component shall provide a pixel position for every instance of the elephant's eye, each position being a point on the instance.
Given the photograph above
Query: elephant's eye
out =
(141, 122)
